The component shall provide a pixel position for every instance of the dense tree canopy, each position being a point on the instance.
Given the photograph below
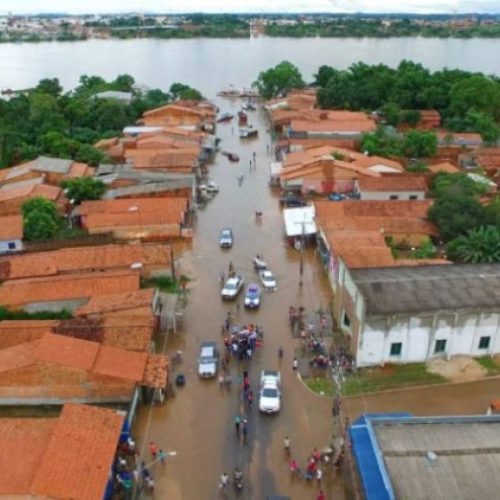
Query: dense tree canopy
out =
(47, 121)
(467, 101)
(481, 244)
(184, 92)
(279, 80)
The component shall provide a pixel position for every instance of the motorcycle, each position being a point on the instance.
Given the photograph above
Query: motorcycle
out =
(238, 480)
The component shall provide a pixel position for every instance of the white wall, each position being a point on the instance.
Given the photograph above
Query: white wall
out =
(386, 195)
(4, 246)
(418, 335)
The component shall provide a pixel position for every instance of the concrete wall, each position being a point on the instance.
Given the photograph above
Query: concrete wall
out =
(5, 248)
(386, 195)
(418, 334)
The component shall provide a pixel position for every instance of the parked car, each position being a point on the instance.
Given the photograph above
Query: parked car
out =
(232, 287)
(226, 238)
(292, 200)
(212, 187)
(208, 362)
(270, 391)
(336, 197)
(268, 280)
(252, 296)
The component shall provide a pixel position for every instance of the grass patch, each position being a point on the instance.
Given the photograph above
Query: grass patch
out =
(389, 377)
(321, 386)
(490, 364)
(5, 314)
(166, 283)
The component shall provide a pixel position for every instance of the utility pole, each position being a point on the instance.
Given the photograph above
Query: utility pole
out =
(337, 438)
(172, 263)
(302, 245)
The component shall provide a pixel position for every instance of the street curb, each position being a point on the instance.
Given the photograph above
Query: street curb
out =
(407, 388)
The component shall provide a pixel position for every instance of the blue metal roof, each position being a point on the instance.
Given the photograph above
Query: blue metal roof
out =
(368, 456)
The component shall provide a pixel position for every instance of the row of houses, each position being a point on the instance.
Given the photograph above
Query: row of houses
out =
(393, 307)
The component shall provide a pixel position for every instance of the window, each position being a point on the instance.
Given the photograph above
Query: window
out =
(394, 197)
(396, 348)
(11, 245)
(413, 197)
(440, 346)
(484, 342)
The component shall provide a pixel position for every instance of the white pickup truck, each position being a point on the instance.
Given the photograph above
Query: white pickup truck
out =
(270, 391)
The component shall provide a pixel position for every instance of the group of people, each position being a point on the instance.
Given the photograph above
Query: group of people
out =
(242, 342)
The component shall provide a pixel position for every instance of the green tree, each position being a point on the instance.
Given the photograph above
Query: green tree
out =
(279, 80)
(124, 83)
(485, 125)
(323, 75)
(481, 244)
(184, 92)
(447, 185)
(411, 116)
(89, 154)
(419, 144)
(83, 188)
(41, 219)
(49, 86)
(456, 215)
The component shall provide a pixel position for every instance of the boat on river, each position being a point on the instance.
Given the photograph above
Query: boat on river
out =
(225, 117)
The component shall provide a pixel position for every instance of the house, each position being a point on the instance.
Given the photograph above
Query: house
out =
(58, 369)
(324, 175)
(45, 457)
(11, 234)
(392, 187)
(333, 125)
(413, 314)
(53, 170)
(65, 291)
(13, 195)
(135, 218)
(183, 161)
(191, 115)
(146, 258)
(401, 456)
(443, 167)
(463, 139)
(430, 119)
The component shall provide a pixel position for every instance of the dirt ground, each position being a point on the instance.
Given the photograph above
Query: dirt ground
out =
(457, 369)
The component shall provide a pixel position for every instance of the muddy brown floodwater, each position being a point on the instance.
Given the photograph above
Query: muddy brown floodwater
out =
(198, 422)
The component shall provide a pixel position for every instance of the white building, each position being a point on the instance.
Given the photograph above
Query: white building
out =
(392, 187)
(11, 234)
(412, 314)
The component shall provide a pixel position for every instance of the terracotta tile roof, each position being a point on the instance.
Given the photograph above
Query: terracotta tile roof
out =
(392, 208)
(50, 192)
(459, 137)
(307, 155)
(156, 372)
(65, 287)
(163, 158)
(117, 302)
(444, 167)
(400, 182)
(19, 332)
(374, 161)
(131, 205)
(82, 445)
(67, 351)
(325, 169)
(333, 126)
(29, 190)
(80, 170)
(18, 356)
(81, 259)
(119, 363)
(11, 227)
(24, 443)
(106, 143)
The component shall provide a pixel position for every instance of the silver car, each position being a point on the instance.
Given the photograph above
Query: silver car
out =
(208, 362)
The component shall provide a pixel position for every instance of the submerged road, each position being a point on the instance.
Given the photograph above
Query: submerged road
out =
(198, 422)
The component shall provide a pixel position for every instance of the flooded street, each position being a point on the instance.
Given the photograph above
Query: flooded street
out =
(198, 422)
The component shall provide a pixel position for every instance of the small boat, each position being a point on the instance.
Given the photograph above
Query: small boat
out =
(242, 118)
(248, 132)
(231, 156)
(225, 117)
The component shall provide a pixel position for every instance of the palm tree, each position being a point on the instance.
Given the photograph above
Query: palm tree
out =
(480, 245)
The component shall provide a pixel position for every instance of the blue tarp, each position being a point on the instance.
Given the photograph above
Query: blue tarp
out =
(368, 456)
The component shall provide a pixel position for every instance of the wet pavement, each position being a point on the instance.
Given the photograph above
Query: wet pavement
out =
(198, 422)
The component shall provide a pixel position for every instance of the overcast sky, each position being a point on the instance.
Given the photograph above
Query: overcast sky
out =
(172, 6)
